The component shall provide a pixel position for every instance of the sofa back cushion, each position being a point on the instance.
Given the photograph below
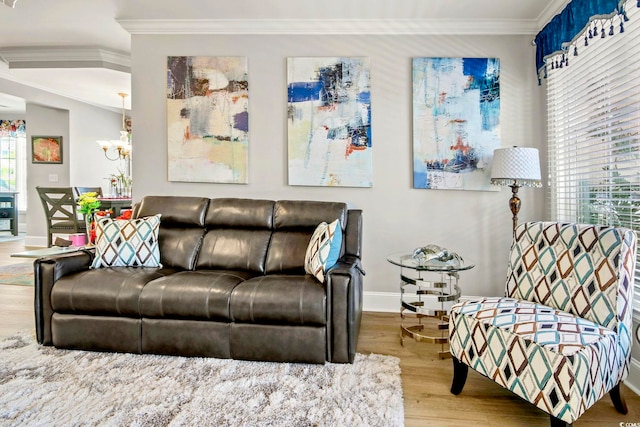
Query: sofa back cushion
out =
(181, 229)
(294, 222)
(238, 234)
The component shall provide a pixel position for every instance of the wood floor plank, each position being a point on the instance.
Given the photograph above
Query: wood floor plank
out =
(426, 379)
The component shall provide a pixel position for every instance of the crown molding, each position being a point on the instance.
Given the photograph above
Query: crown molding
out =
(65, 57)
(330, 27)
(553, 8)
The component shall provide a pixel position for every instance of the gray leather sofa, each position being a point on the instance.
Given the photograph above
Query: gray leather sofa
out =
(232, 285)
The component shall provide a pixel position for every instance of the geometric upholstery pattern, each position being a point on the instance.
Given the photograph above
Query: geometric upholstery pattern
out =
(323, 250)
(561, 338)
(573, 268)
(127, 243)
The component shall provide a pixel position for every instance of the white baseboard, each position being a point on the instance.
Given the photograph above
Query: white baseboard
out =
(381, 301)
(36, 241)
(633, 380)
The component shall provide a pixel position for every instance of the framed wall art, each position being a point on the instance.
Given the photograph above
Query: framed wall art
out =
(456, 122)
(46, 149)
(207, 119)
(329, 121)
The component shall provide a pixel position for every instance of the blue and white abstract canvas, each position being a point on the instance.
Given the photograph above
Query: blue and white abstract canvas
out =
(456, 122)
(329, 122)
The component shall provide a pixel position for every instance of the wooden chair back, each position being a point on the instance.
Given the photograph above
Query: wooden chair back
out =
(61, 211)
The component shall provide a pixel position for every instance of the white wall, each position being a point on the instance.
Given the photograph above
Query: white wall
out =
(49, 122)
(396, 216)
(12, 116)
(89, 166)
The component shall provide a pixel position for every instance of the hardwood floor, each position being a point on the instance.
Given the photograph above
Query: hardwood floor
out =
(425, 378)
(16, 302)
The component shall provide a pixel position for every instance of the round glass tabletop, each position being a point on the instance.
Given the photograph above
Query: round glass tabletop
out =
(406, 260)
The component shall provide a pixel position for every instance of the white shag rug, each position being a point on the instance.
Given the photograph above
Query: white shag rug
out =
(42, 386)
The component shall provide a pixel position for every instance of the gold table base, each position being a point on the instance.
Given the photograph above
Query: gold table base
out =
(427, 334)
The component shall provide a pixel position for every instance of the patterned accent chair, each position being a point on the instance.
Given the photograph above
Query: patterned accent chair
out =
(561, 338)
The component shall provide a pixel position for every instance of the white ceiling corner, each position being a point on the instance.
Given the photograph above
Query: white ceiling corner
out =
(92, 75)
(553, 8)
(10, 104)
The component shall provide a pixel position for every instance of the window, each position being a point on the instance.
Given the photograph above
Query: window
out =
(13, 159)
(593, 109)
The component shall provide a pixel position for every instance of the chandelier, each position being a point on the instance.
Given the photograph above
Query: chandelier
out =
(121, 147)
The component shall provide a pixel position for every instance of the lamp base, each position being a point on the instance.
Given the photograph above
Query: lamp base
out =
(514, 204)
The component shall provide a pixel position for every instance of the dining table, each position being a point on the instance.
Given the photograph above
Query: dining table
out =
(116, 204)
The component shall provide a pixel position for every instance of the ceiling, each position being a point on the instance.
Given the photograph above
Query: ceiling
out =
(81, 49)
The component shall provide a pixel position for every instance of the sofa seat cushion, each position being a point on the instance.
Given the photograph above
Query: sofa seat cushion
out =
(200, 294)
(110, 291)
(280, 299)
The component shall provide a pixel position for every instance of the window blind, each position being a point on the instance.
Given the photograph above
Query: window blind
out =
(593, 116)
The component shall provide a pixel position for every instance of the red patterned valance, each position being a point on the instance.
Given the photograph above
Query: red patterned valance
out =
(13, 128)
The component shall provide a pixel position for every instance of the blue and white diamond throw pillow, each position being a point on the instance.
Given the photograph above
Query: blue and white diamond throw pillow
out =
(323, 250)
(127, 243)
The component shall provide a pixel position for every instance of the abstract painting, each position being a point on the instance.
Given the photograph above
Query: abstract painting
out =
(456, 122)
(207, 119)
(329, 122)
(46, 149)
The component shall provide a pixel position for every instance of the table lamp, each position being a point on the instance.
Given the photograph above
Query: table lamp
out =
(516, 167)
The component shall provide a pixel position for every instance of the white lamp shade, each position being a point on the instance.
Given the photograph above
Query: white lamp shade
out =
(516, 166)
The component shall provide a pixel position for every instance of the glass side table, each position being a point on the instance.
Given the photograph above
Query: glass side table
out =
(428, 290)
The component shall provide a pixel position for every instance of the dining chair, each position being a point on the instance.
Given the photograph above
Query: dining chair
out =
(561, 336)
(61, 211)
(81, 190)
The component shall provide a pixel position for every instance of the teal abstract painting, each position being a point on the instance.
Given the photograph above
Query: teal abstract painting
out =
(456, 122)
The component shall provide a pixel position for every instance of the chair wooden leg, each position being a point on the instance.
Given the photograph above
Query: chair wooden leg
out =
(557, 422)
(460, 371)
(617, 399)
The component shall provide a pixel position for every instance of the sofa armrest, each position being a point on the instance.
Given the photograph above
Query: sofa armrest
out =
(47, 270)
(353, 233)
(344, 304)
